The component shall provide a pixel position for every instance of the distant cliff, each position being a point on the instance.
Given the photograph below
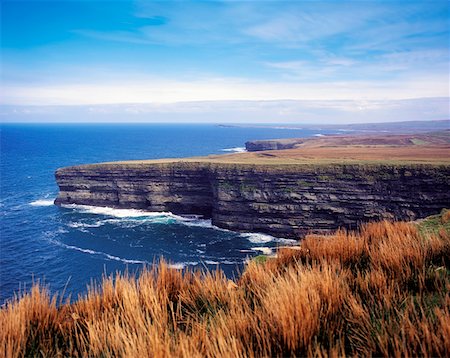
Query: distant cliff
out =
(272, 144)
(282, 200)
(441, 138)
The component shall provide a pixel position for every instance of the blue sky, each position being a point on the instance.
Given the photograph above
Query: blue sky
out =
(155, 57)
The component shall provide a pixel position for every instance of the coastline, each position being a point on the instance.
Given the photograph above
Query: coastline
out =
(283, 193)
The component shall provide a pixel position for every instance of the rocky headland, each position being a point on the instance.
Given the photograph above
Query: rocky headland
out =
(281, 197)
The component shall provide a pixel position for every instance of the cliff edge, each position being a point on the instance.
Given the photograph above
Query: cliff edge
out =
(284, 200)
(286, 193)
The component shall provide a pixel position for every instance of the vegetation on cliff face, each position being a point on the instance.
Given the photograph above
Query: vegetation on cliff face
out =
(381, 291)
(432, 225)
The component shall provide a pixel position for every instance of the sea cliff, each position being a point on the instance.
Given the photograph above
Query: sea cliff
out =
(281, 200)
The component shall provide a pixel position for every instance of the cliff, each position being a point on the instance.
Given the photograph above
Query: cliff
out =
(434, 139)
(272, 144)
(281, 200)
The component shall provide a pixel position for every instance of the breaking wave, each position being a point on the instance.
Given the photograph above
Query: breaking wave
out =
(42, 202)
(235, 150)
(264, 250)
(258, 238)
(118, 213)
(76, 225)
(135, 217)
(182, 265)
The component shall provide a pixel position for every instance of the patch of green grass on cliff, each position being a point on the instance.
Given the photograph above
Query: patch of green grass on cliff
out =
(260, 259)
(435, 223)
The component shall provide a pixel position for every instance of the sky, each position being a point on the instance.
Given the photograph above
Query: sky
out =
(224, 61)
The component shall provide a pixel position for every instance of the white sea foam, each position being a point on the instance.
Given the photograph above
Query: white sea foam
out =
(264, 250)
(127, 261)
(182, 265)
(210, 262)
(196, 222)
(86, 251)
(42, 202)
(118, 213)
(319, 135)
(228, 262)
(178, 266)
(205, 223)
(235, 150)
(99, 253)
(135, 217)
(77, 225)
(287, 241)
(257, 238)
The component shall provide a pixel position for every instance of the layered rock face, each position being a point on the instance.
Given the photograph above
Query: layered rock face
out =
(285, 201)
(176, 188)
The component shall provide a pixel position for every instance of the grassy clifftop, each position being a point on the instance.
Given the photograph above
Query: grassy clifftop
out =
(433, 148)
(382, 291)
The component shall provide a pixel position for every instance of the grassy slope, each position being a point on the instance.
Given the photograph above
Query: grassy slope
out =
(382, 291)
(434, 224)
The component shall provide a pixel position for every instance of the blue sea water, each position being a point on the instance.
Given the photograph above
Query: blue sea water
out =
(67, 248)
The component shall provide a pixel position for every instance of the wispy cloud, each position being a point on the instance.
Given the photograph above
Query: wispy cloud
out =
(167, 52)
(325, 112)
(162, 90)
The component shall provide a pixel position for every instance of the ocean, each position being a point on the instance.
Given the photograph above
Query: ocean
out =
(68, 248)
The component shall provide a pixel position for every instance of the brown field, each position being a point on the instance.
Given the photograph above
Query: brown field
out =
(346, 153)
(383, 291)
(394, 149)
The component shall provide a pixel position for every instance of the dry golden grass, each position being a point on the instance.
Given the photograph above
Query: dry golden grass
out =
(321, 155)
(356, 149)
(382, 291)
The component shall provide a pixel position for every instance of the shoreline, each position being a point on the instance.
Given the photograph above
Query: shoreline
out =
(284, 197)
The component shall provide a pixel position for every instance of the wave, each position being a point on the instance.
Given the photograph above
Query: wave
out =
(99, 253)
(211, 262)
(223, 262)
(319, 135)
(76, 225)
(134, 217)
(228, 262)
(264, 250)
(182, 265)
(204, 223)
(42, 202)
(235, 150)
(176, 265)
(118, 213)
(258, 238)
(137, 217)
(287, 241)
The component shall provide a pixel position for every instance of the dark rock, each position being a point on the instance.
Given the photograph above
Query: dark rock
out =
(272, 144)
(281, 200)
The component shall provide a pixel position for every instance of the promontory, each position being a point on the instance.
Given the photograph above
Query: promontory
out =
(317, 185)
